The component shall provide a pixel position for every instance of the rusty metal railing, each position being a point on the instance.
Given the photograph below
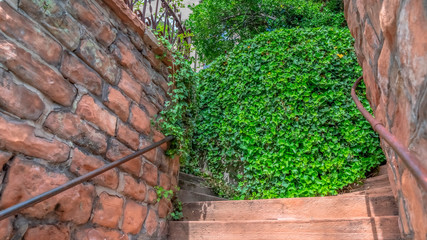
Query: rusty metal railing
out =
(408, 158)
(46, 195)
(165, 18)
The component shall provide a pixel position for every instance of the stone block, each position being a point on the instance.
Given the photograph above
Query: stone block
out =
(151, 223)
(127, 135)
(20, 137)
(95, 21)
(151, 109)
(6, 228)
(163, 161)
(164, 207)
(387, 18)
(134, 189)
(117, 150)
(71, 127)
(174, 165)
(150, 155)
(26, 180)
(18, 99)
(158, 136)
(134, 217)
(151, 196)
(30, 34)
(36, 73)
(371, 42)
(153, 42)
(118, 103)
(125, 53)
(88, 109)
(149, 174)
(99, 60)
(130, 87)
(84, 163)
(4, 158)
(165, 181)
(160, 81)
(79, 73)
(57, 232)
(139, 120)
(98, 233)
(416, 208)
(108, 211)
(52, 15)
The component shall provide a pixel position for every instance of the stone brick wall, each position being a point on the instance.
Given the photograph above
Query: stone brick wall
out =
(80, 81)
(391, 46)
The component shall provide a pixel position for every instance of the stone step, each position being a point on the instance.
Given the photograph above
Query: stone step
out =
(377, 179)
(379, 228)
(383, 170)
(335, 207)
(189, 196)
(190, 178)
(374, 191)
(194, 187)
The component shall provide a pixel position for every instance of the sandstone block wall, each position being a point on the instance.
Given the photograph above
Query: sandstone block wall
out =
(391, 46)
(80, 81)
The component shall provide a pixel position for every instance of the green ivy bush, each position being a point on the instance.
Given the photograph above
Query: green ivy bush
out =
(276, 118)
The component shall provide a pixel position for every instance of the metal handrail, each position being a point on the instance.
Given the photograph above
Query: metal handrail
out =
(410, 160)
(31, 202)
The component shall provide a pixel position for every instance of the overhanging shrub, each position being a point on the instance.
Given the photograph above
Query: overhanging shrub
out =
(276, 116)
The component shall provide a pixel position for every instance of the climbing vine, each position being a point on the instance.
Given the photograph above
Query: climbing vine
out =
(177, 118)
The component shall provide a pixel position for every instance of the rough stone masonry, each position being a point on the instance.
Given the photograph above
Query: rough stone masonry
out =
(391, 46)
(80, 81)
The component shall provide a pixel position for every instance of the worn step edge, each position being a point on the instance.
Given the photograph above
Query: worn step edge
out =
(368, 228)
(194, 187)
(338, 207)
(380, 178)
(189, 196)
(190, 178)
(386, 190)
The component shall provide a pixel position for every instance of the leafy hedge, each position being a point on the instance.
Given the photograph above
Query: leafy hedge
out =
(276, 118)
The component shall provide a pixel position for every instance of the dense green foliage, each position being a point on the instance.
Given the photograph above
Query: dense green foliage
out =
(276, 115)
(218, 25)
(176, 119)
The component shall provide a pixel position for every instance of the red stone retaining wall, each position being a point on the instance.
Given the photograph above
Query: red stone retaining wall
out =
(391, 46)
(80, 81)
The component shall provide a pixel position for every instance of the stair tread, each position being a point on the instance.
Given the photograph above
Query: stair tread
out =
(190, 196)
(361, 228)
(380, 178)
(191, 178)
(195, 187)
(385, 190)
(316, 207)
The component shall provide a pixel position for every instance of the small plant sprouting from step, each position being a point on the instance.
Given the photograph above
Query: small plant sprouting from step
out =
(162, 193)
(176, 214)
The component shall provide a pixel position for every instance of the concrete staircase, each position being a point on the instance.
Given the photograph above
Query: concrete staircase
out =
(368, 212)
